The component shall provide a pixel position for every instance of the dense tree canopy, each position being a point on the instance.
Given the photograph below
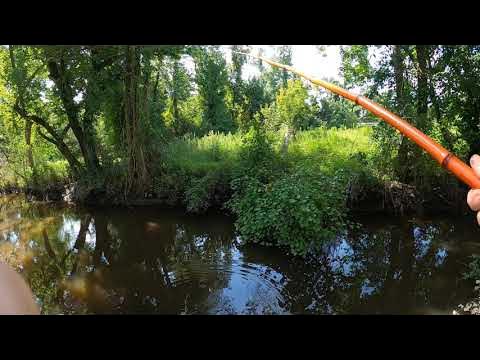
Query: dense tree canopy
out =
(102, 115)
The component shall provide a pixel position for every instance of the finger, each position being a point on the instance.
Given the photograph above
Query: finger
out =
(478, 218)
(473, 199)
(475, 164)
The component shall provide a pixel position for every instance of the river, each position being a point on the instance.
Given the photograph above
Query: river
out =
(150, 260)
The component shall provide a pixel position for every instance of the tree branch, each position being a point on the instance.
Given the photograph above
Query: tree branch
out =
(55, 139)
(65, 131)
(49, 139)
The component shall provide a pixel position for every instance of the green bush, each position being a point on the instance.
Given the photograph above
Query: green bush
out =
(258, 156)
(300, 211)
(299, 201)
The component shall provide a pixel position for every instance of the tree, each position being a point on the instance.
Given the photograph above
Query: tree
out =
(276, 78)
(137, 117)
(336, 112)
(238, 60)
(30, 106)
(290, 110)
(20, 74)
(254, 99)
(67, 92)
(461, 99)
(212, 79)
(178, 88)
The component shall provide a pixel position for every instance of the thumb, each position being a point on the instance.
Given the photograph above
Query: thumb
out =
(475, 164)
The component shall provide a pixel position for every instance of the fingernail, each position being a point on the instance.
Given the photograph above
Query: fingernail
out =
(475, 160)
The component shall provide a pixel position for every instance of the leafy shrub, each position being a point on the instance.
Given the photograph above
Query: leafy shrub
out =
(301, 210)
(257, 155)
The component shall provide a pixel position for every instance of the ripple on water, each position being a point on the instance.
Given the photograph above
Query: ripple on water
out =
(234, 285)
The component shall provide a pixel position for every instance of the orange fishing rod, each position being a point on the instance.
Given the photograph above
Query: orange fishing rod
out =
(444, 157)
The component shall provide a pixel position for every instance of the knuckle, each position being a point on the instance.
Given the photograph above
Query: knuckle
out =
(473, 199)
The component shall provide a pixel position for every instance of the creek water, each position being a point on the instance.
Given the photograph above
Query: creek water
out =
(151, 260)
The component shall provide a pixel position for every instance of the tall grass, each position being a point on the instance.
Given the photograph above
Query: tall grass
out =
(331, 149)
(202, 155)
(327, 149)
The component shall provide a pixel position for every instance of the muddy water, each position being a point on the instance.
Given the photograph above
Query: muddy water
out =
(147, 260)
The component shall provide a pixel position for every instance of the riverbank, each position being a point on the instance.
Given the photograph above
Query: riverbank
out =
(199, 173)
(388, 198)
(317, 182)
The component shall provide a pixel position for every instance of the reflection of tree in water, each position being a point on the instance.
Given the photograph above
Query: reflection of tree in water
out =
(380, 268)
(36, 249)
(155, 264)
(386, 269)
(149, 261)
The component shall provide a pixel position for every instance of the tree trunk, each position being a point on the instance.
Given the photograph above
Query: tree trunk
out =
(176, 116)
(28, 142)
(90, 154)
(422, 100)
(85, 134)
(155, 87)
(289, 134)
(436, 107)
(399, 70)
(137, 171)
(422, 86)
(28, 124)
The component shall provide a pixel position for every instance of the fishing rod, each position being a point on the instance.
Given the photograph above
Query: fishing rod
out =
(444, 157)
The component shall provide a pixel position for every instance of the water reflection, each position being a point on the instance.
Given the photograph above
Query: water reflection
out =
(157, 261)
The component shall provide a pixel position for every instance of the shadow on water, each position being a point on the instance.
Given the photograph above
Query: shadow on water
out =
(147, 260)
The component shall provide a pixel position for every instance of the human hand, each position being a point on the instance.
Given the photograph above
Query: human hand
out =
(15, 295)
(473, 198)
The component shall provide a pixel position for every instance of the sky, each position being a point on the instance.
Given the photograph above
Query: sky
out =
(305, 58)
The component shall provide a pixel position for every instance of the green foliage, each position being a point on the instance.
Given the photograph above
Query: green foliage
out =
(290, 108)
(178, 89)
(473, 272)
(206, 171)
(435, 88)
(212, 80)
(298, 201)
(199, 195)
(356, 66)
(200, 155)
(338, 112)
(248, 169)
(275, 78)
(192, 114)
(195, 169)
(258, 156)
(300, 211)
